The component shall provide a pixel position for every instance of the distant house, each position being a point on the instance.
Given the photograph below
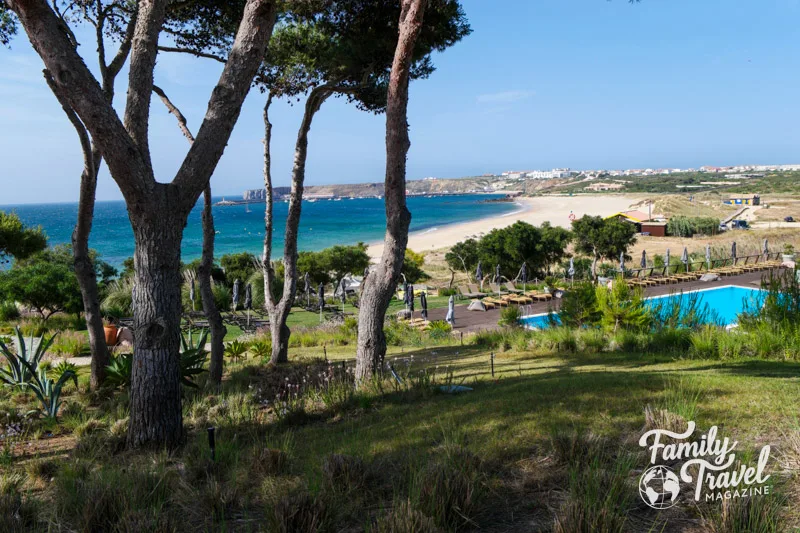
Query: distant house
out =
(642, 222)
(604, 187)
(751, 199)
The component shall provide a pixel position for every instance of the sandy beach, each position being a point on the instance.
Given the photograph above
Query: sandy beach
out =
(555, 209)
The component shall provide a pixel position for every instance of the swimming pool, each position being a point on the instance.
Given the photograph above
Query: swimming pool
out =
(724, 303)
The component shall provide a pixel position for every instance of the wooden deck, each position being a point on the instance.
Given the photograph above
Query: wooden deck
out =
(472, 321)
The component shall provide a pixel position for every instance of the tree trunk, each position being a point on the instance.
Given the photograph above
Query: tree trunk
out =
(381, 283)
(213, 315)
(207, 295)
(84, 268)
(87, 276)
(279, 311)
(156, 416)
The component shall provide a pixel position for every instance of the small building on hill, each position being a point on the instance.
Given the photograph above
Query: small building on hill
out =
(643, 222)
(749, 199)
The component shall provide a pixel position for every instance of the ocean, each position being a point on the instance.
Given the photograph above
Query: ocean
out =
(240, 228)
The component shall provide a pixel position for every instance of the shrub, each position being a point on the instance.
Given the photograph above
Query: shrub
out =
(559, 339)
(8, 311)
(439, 330)
(119, 370)
(748, 515)
(21, 369)
(343, 473)
(448, 492)
(448, 291)
(71, 344)
(704, 342)
(511, 316)
(622, 307)
(579, 306)
(593, 340)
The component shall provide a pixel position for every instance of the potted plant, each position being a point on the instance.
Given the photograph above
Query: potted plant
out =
(788, 252)
(111, 331)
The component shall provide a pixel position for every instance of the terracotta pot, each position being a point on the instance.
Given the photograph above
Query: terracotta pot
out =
(111, 335)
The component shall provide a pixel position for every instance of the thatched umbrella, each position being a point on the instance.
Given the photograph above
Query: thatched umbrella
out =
(733, 252)
(685, 258)
(523, 274)
(479, 274)
(321, 296)
(708, 256)
(248, 300)
(643, 263)
(765, 248)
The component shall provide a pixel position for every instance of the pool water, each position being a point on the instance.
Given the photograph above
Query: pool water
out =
(724, 304)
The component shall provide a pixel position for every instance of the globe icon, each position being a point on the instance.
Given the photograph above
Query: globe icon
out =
(659, 487)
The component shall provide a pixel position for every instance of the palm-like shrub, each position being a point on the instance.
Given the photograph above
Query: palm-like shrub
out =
(119, 298)
(119, 370)
(511, 316)
(236, 350)
(262, 348)
(18, 371)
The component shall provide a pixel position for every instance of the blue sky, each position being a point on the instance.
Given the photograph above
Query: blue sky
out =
(538, 84)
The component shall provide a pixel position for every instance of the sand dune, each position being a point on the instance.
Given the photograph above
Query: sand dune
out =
(555, 209)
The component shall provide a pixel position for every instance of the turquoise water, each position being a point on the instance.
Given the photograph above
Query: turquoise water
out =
(724, 303)
(324, 223)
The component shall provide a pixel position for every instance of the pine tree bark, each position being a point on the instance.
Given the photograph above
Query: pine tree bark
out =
(381, 283)
(279, 309)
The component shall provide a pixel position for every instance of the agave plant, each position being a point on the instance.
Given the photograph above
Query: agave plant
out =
(65, 366)
(119, 370)
(193, 358)
(236, 349)
(21, 367)
(47, 390)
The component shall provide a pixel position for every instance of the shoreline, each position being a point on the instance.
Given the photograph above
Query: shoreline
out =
(533, 210)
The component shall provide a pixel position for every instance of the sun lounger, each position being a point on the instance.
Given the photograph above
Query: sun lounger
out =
(539, 296)
(496, 289)
(475, 290)
(510, 288)
(467, 293)
(518, 299)
(496, 301)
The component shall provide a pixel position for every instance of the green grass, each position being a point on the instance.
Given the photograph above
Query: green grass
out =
(405, 456)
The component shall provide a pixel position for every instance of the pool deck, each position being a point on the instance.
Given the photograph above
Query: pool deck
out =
(473, 321)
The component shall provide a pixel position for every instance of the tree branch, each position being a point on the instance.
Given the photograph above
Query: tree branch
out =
(189, 51)
(182, 124)
(226, 101)
(144, 49)
(50, 38)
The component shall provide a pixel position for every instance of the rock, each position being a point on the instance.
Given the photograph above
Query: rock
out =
(404, 314)
(709, 277)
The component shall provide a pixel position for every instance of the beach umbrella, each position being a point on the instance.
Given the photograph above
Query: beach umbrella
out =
(622, 262)
(248, 296)
(405, 293)
(765, 248)
(236, 286)
(685, 258)
(666, 261)
(191, 292)
(571, 270)
(411, 299)
(497, 273)
(733, 252)
(643, 264)
(523, 274)
(321, 295)
(479, 274)
(451, 312)
(708, 256)
(248, 300)
(423, 305)
(307, 289)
